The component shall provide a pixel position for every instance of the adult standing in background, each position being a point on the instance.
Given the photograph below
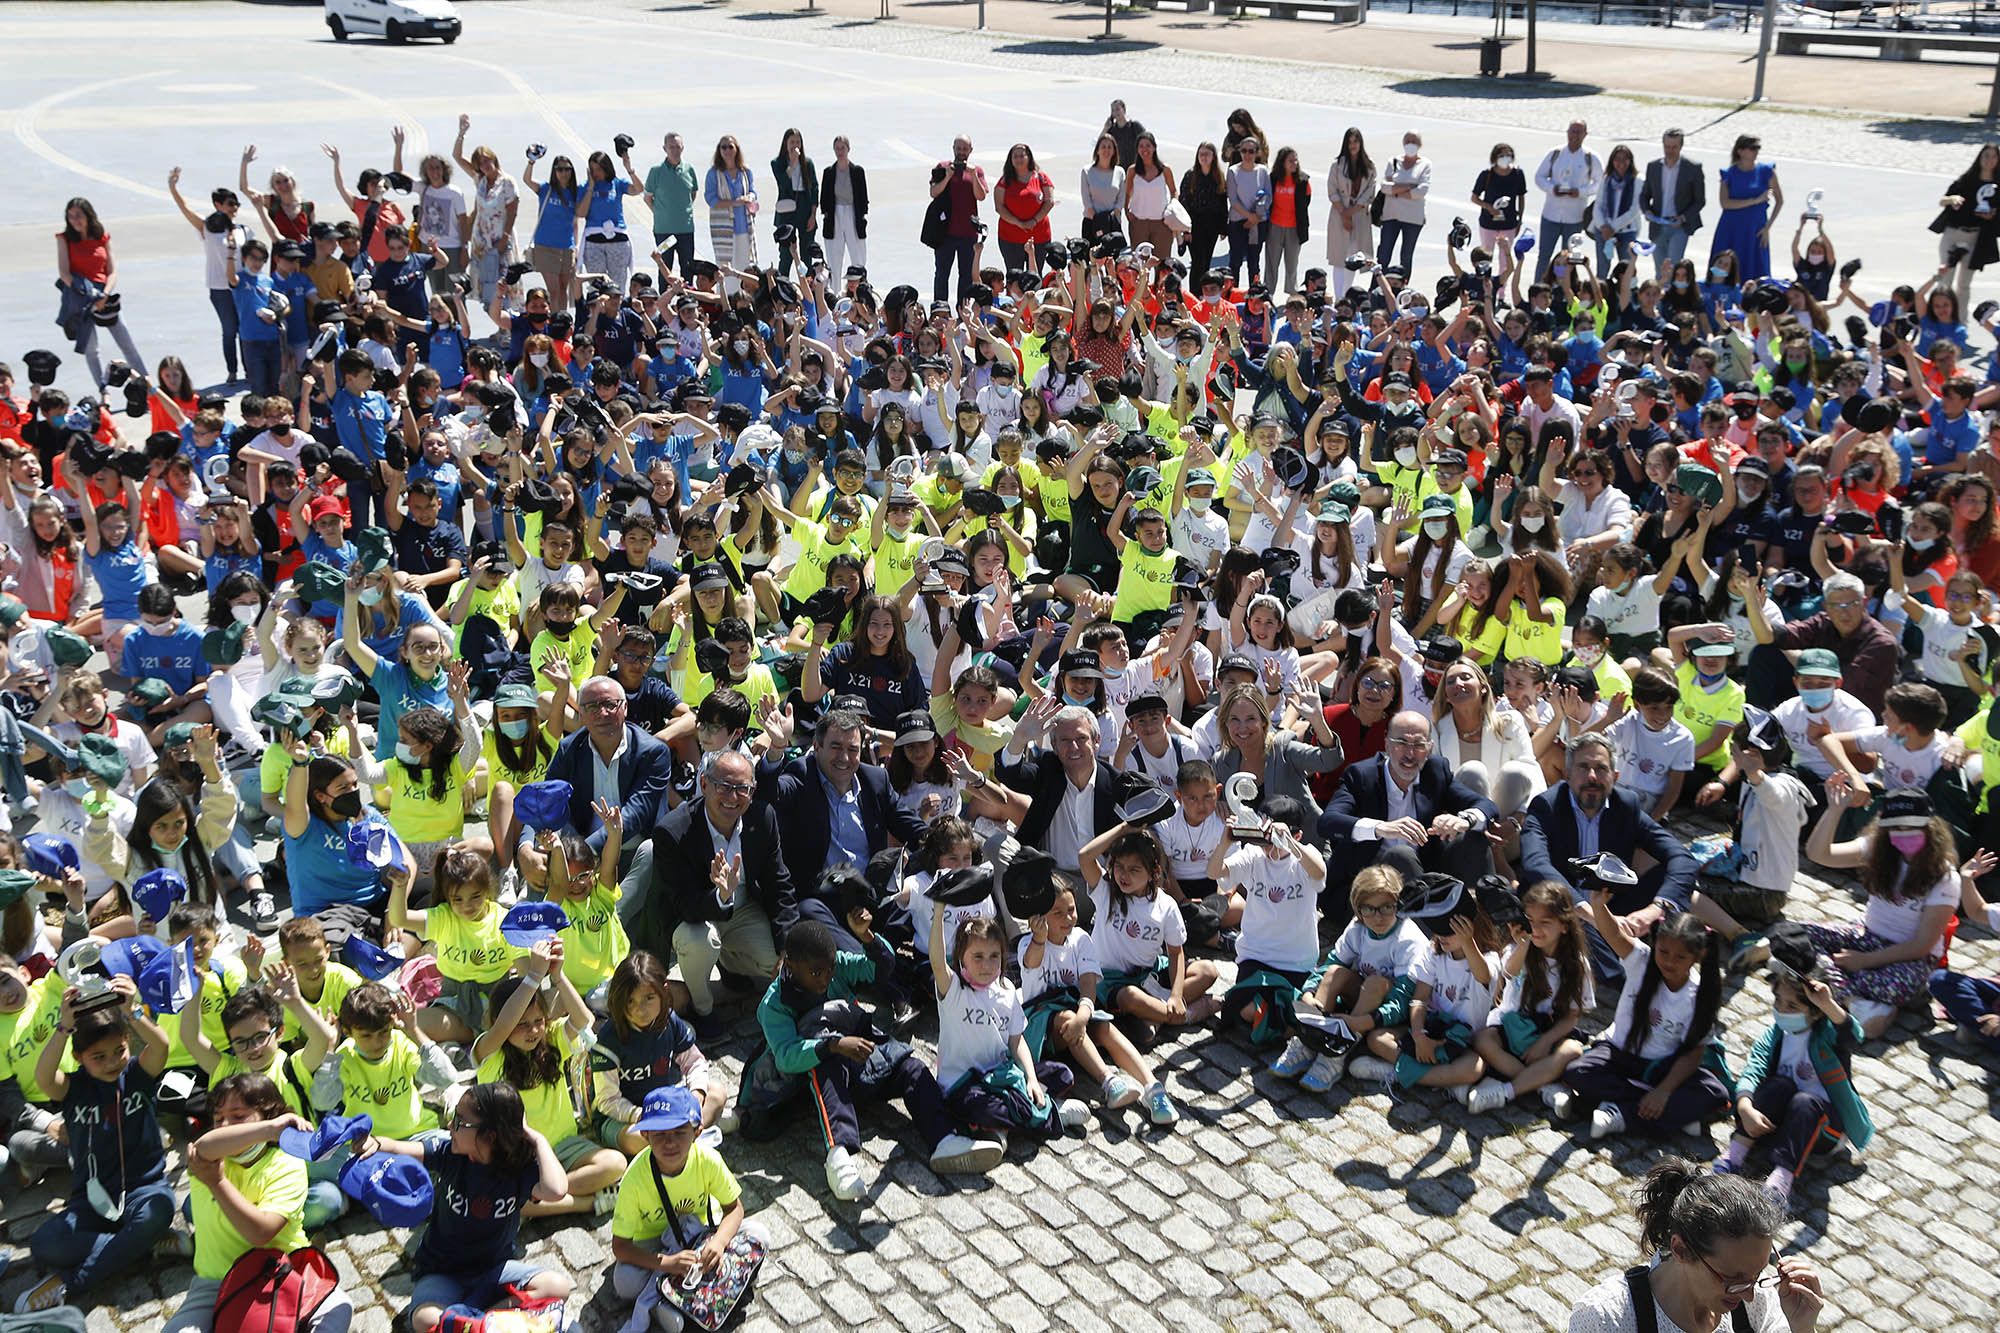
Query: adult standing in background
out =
(1672, 200)
(843, 202)
(1568, 179)
(1204, 194)
(957, 189)
(220, 233)
(731, 193)
(1406, 183)
(606, 246)
(1249, 206)
(670, 193)
(1124, 132)
(1500, 191)
(1291, 220)
(88, 275)
(1750, 197)
(496, 202)
(1615, 224)
(1101, 185)
(1027, 197)
(1350, 191)
(1149, 188)
(798, 203)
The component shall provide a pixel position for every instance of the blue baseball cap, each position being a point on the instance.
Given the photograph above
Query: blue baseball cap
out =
(157, 891)
(528, 924)
(395, 1190)
(368, 958)
(50, 854)
(166, 983)
(331, 1133)
(129, 956)
(543, 805)
(373, 845)
(672, 1107)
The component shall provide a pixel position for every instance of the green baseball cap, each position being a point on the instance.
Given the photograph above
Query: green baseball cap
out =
(1818, 662)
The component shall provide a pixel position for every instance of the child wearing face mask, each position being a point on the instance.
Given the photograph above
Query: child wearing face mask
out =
(1710, 703)
(567, 633)
(1947, 663)
(1796, 1091)
(1908, 744)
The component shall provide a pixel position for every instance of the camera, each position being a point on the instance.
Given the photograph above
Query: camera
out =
(1460, 235)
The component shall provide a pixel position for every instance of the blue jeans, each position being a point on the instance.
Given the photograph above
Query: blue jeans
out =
(959, 248)
(84, 1249)
(1241, 249)
(1618, 247)
(1670, 243)
(224, 302)
(1395, 234)
(1554, 237)
(1967, 1000)
(263, 361)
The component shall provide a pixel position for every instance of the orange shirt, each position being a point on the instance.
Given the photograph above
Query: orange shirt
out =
(1284, 204)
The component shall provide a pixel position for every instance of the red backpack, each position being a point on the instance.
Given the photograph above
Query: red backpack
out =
(269, 1291)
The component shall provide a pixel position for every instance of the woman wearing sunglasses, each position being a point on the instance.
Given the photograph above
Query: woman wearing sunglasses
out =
(1715, 1263)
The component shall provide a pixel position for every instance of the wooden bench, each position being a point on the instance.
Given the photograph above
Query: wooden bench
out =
(1888, 44)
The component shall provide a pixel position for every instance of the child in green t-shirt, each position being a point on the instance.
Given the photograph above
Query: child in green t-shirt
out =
(384, 1063)
(585, 885)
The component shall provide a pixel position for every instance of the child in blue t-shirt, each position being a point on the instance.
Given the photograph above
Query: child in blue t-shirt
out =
(447, 344)
(1951, 431)
(162, 645)
(257, 319)
(115, 550)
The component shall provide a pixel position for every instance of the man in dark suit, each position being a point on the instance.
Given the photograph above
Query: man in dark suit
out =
(609, 760)
(1403, 808)
(835, 810)
(1586, 814)
(1073, 794)
(720, 890)
(843, 208)
(1672, 199)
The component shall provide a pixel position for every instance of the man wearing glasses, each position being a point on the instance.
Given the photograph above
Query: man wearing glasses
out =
(716, 867)
(1866, 648)
(608, 759)
(1404, 808)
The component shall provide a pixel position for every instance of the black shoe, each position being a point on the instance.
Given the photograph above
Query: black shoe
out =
(708, 1027)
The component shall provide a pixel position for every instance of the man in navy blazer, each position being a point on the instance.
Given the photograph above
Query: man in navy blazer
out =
(1405, 803)
(1588, 813)
(644, 767)
(834, 808)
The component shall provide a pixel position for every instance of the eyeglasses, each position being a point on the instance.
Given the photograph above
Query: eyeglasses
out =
(733, 788)
(252, 1041)
(1850, 604)
(603, 705)
(633, 655)
(459, 1122)
(1764, 1276)
(425, 649)
(1410, 742)
(1376, 683)
(1377, 911)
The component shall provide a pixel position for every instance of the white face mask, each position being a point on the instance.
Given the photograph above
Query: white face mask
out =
(1411, 148)
(1406, 458)
(1200, 503)
(244, 615)
(1435, 528)
(1503, 163)
(1532, 522)
(539, 360)
(741, 348)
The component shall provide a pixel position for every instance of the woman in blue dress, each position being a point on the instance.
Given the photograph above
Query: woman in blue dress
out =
(1751, 197)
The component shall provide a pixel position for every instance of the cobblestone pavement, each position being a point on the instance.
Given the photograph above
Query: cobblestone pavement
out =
(1267, 1207)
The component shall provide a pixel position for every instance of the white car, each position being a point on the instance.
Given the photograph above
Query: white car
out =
(397, 20)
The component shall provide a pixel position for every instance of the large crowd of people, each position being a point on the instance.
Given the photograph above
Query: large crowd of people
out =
(611, 629)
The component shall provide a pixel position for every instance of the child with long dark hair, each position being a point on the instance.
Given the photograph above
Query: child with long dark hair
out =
(1529, 1040)
(1650, 1071)
(643, 1046)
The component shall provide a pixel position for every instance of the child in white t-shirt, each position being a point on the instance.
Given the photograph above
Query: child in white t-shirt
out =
(1059, 979)
(1908, 746)
(991, 1084)
(1452, 995)
(949, 844)
(1366, 981)
(1655, 751)
(1627, 600)
(1273, 885)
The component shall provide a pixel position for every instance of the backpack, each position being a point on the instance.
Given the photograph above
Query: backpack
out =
(269, 1291)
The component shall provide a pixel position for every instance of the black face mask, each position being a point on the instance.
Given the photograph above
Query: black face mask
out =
(560, 628)
(346, 805)
(191, 773)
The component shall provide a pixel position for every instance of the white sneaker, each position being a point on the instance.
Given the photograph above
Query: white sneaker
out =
(1489, 1095)
(1120, 1091)
(510, 885)
(958, 1155)
(729, 1121)
(1461, 1093)
(1695, 1129)
(1073, 1114)
(1606, 1120)
(1293, 1060)
(843, 1175)
(1160, 1106)
(1867, 1011)
(604, 1202)
(263, 913)
(1322, 1074)
(1560, 1100)
(1370, 1069)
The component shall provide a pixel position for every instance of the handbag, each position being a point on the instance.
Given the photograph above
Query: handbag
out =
(715, 1297)
(1375, 208)
(269, 1290)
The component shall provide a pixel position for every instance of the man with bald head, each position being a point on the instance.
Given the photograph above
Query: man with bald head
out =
(951, 223)
(1404, 808)
(720, 889)
(608, 759)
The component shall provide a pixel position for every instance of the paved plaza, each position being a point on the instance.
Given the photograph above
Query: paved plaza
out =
(1265, 1207)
